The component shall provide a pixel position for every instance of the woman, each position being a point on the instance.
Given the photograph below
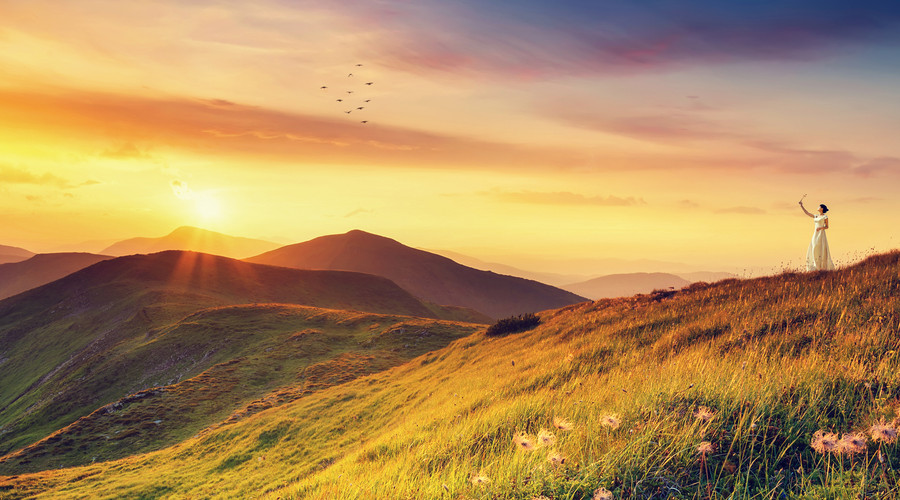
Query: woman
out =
(818, 257)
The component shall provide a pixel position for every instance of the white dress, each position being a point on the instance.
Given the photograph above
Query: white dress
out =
(818, 257)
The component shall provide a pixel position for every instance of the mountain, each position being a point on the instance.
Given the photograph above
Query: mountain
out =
(548, 278)
(69, 347)
(193, 239)
(710, 390)
(432, 277)
(13, 254)
(625, 285)
(16, 277)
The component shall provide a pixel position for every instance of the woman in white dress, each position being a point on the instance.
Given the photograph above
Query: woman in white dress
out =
(818, 257)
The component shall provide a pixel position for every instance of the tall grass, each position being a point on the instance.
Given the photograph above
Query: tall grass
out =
(718, 392)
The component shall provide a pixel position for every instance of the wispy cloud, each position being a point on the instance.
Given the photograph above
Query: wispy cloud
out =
(17, 175)
(125, 151)
(566, 198)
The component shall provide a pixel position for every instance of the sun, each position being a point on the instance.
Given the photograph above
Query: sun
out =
(208, 206)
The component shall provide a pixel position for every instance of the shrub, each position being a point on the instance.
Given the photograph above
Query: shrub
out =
(513, 324)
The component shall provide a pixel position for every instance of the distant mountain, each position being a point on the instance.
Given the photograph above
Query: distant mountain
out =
(193, 239)
(17, 277)
(84, 341)
(707, 276)
(548, 278)
(13, 254)
(626, 285)
(429, 276)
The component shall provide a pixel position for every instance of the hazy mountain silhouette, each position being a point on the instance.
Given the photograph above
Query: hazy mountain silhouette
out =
(17, 277)
(13, 254)
(193, 239)
(626, 285)
(429, 276)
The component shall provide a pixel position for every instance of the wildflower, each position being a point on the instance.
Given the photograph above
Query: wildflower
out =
(480, 479)
(886, 433)
(704, 414)
(563, 425)
(611, 421)
(523, 442)
(851, 444)
(824, 442)
(556, 458)
(546, 438)
(602, 494)
(705, 448)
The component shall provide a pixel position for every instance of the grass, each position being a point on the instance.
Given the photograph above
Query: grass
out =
(771, 360)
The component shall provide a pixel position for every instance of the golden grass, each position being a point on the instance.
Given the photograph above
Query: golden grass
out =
(720, 391)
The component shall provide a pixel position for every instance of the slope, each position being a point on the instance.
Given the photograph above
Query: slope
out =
(16, 277)
(64, 343)
(222, 363)
(715, 391)
(193, 239)
(432, 277)
(626, 285)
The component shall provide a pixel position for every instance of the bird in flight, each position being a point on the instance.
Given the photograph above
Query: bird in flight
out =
(369, 83)
(367, 100)
(351, 74)
(349, 91)
(340, 100)
(359, 64)
(364, 121)
(348, 112)
(323, 87)
(360, 107)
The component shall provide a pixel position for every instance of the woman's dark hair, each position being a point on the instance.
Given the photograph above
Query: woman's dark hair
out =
(824, 208)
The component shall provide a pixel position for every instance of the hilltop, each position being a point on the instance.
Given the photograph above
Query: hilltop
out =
(13, 254)
(711, 391)
(68, 346)
(40, 269)
(432, 277)
(193, 239)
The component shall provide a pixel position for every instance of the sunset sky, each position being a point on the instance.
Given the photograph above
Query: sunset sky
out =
(533, 133)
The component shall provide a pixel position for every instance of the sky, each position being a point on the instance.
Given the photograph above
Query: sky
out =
(548, 135)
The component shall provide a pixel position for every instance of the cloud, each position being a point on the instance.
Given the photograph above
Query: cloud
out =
(538, 39)
(181, 190)
(126, 151)
(359, 211)
(688, 204)
(566, 198)
(15, 175)
(741, 210)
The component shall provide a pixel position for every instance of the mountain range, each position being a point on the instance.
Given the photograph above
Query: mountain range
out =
(704, 391)
(126, 325)
(429, 276)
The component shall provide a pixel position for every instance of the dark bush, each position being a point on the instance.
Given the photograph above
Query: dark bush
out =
(513, 324)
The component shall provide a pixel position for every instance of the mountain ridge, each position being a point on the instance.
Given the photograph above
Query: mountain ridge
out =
(433, 277)
(192, 239)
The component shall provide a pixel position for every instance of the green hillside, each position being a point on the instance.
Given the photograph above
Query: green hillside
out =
(123, 326)
(716, 391)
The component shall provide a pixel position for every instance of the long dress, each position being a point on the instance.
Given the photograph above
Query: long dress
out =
(818, 257)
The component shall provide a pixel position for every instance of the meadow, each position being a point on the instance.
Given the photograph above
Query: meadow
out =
(784, 386)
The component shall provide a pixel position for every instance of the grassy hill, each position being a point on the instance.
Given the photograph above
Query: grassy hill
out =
(115, 328)
(715, 391)
(432, 277)
(17, 277)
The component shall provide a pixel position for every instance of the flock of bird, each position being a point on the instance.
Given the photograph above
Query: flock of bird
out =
(352, 98)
